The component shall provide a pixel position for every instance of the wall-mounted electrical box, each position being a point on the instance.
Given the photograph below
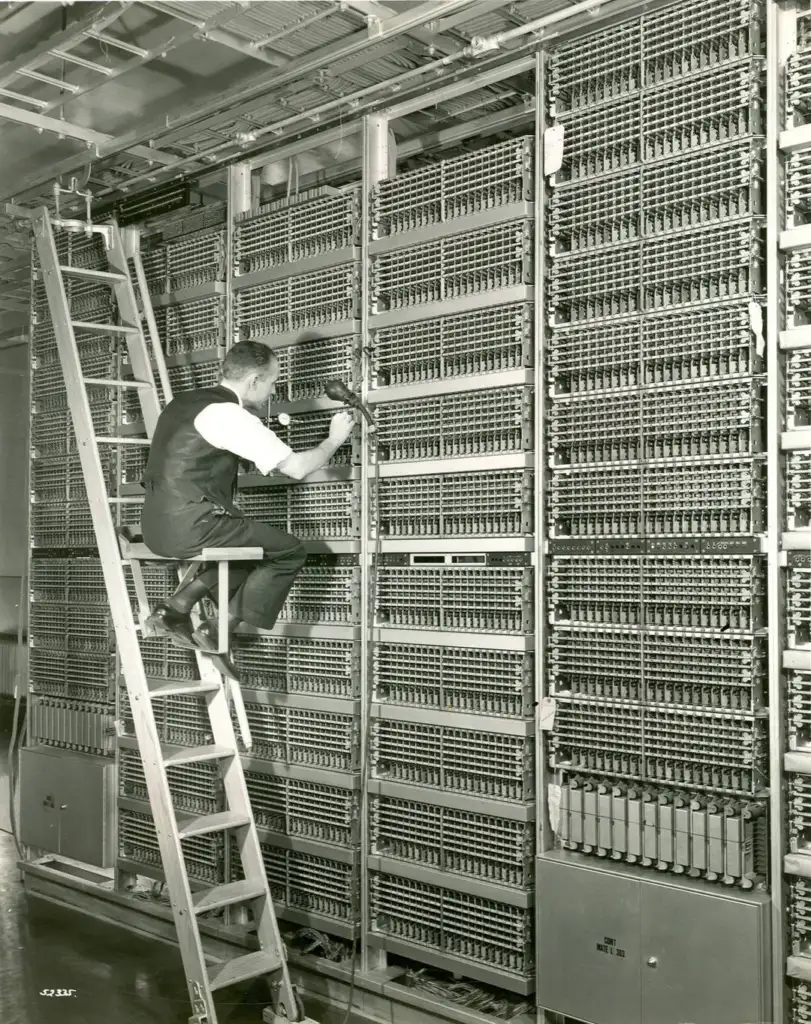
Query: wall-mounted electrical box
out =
(66, 804)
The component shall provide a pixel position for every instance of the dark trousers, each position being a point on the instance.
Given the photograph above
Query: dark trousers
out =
(257, 589)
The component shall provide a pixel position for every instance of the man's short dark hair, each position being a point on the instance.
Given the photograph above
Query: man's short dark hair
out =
(247, 357)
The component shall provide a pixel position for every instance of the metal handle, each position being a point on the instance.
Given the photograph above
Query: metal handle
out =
(652, 961)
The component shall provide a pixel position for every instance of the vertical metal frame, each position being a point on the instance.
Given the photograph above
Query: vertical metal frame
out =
(375, 168)
(239, 201)
(780, 39)
(543, 831)
(544, 838)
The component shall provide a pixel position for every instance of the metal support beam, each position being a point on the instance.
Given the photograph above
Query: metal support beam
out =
(240, 201)
(68, 130)
(219, 35)
(377, 13)
(454, 89)
(474, 10)
(780, 32)
(303, 145)
(375, 168)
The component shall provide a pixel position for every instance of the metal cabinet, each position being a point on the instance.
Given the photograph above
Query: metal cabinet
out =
(615, 947)
(65, 804)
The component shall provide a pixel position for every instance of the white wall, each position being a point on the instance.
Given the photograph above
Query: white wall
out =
(13, 494)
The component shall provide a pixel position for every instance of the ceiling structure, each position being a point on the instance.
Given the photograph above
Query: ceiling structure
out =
(124, 96)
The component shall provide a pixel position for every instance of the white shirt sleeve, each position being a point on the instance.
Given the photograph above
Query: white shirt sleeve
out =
(232, 428)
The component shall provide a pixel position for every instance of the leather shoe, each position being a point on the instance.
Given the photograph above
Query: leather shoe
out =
(165, 621)
(205, 639)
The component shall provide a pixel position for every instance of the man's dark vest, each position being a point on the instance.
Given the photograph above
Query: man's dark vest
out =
(182, 465)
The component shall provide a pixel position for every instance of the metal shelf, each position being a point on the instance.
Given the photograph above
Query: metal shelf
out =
(517, 811)
(427, 389)
(473, 222)
(285, 270)
(456, 638)
(455, 719)
(448, 307)
(304, 773)
(183, 295)
(471, 886)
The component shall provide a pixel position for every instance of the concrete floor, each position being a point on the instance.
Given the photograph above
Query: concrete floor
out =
(119, 978)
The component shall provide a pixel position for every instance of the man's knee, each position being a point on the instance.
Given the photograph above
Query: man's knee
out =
(295, 556)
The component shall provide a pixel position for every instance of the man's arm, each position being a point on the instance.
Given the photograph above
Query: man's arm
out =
(227, 426)
(299, 465)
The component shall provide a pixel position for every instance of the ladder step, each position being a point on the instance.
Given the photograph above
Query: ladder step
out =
(219, 822)
(119, 383)
(180, 687)
(227, 895)
(83, 325)
(92, 275)
(253, 965)
(190, 755)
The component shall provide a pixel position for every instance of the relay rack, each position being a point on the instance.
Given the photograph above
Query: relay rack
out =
(655, 444)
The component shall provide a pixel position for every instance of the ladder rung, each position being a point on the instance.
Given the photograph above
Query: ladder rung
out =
(219, 822)
(180, 687)
(83, 325)
(252, 965)
(119, 383)
(93, 275)
(123, 440)
(190, 755)
(227, 895)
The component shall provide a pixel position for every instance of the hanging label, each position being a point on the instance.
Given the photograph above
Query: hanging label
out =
(546, 714)
(553, 805)
(756, 326)
(553, 149)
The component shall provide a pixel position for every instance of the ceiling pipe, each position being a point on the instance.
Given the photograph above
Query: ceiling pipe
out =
(486, 44)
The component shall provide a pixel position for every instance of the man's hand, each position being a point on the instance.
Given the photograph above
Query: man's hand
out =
(341, 426)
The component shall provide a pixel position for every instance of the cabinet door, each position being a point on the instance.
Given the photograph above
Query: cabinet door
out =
(86, 809)
(588, 944)
(39, 801)
(703, 958)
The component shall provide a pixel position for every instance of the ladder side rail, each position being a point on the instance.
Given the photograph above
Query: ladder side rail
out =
(129, 240)
(236, 793)
(136, 343)
(129, 649)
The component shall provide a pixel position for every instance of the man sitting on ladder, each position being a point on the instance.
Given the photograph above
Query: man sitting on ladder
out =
(191, 481)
